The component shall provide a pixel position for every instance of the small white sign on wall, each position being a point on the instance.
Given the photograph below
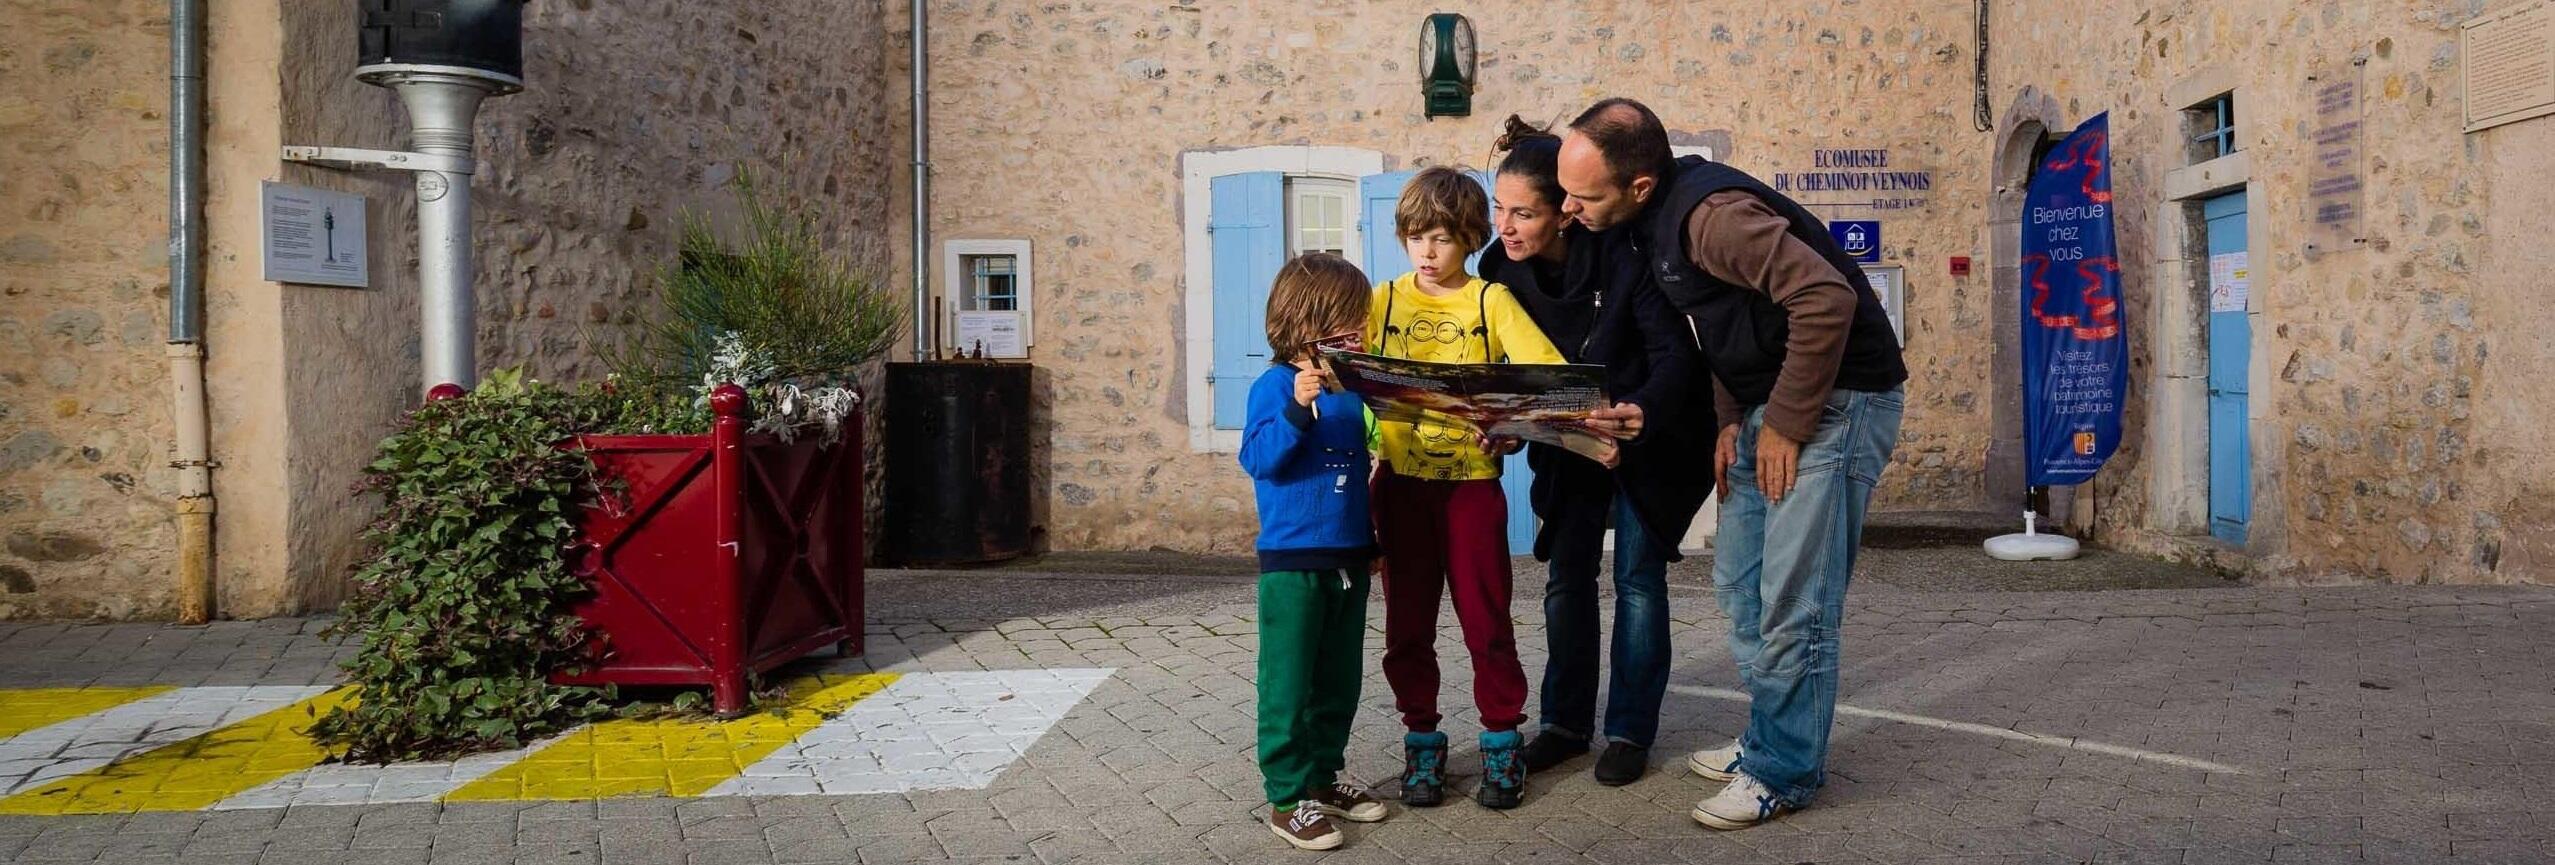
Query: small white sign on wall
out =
(2507, 63)
(313, 236)
(996, 334)
(2230, 282)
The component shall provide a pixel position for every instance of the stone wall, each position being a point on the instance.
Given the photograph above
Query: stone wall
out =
(85, 494)
(635, 113)
(1067, 123)
(2398, 397)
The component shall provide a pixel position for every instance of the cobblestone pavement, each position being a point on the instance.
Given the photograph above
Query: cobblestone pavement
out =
(2190, 725)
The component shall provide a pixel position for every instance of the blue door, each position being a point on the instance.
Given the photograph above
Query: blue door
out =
(2230, 355)
(1378, 194)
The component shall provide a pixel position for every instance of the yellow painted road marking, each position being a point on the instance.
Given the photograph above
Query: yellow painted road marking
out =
(192, 774)
(669, 757)
(27, 709)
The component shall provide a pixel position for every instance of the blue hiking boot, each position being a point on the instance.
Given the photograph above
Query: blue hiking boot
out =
(1423, 769)
(1503, 771)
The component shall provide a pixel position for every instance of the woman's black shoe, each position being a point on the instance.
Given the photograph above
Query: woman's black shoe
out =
(1623, 763)
(1552, 748)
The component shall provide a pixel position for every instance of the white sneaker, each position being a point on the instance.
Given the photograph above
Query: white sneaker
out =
(1744, 803)
(1719, 764)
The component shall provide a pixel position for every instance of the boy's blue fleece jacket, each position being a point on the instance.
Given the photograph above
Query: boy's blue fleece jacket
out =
(1308, 469)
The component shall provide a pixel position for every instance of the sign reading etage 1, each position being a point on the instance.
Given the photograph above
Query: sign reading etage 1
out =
(2075, 352)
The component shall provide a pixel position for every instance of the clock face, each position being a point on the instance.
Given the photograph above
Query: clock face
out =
(1427, 49)
(1464, 47)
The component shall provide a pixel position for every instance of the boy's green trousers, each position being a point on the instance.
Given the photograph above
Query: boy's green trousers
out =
(1312, 662)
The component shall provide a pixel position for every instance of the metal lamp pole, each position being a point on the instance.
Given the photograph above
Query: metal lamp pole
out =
(443, 58)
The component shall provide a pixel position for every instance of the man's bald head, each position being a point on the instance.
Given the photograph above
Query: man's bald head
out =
(1614, 159)
(1629, 134)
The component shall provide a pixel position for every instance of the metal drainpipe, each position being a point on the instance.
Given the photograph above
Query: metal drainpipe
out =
(922, 185)
(193, 454)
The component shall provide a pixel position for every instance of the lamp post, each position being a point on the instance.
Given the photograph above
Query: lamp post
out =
(443, 58)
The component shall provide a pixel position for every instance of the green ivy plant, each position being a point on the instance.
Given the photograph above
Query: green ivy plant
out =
(463, 612)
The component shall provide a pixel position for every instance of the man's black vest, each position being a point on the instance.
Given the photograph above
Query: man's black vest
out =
(1742, 328)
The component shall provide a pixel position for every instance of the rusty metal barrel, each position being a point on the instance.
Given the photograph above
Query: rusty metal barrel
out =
(958, 463)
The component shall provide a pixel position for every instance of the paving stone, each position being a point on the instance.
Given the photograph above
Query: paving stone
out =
(1155, 764)
(368, 857)
(895, 849)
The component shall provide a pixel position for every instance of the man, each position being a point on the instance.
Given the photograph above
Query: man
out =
(1806, 374)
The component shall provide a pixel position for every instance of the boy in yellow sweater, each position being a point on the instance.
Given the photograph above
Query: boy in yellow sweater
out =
(1440, 514)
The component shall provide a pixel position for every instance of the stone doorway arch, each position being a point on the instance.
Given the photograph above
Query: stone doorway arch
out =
(2030, 124)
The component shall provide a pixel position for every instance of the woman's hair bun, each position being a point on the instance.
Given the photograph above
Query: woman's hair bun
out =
(1516, 131)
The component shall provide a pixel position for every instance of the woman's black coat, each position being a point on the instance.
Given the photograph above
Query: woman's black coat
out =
(1600, 307)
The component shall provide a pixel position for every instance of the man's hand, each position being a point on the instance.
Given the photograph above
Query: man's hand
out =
(1622, 421)
(1308, 384)
(1725, 453)
(1500, 446)
(1778, 464)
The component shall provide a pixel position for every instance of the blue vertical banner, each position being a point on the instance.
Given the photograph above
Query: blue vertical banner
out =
(2075, 353)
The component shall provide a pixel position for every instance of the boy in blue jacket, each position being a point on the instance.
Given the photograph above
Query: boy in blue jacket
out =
(1306, 450)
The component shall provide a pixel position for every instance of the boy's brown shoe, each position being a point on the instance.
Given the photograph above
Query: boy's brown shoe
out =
(1350, 802)
(1306, 827)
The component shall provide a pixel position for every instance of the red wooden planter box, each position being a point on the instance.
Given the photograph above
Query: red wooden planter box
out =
(715, 557)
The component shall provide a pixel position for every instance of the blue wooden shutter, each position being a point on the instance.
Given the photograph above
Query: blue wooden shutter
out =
(1246, 228)
(1473, 262)
(1377, 195)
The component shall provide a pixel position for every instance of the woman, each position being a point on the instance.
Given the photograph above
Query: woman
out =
(1590, 295)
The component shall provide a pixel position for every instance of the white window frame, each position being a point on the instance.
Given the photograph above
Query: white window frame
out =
(1198, 169)
(957, 285)
(1350, 247)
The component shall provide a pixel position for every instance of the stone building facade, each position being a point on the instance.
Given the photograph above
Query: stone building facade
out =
(2391, 390)
(2397, 386)
(2394, 405)
(635, 112)
(1093, 130)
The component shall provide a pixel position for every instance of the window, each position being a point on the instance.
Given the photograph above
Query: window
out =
(988, 288)
(1244, 213)
(1317, 215)
(2213, 125)
(993, 279)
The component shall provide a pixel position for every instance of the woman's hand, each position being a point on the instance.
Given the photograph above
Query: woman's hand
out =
(1612, 459)
(1500, 446)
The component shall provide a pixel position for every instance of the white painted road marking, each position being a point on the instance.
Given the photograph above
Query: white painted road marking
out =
(373, 784)
(927, 731)
(91, 741)
(2068, 742)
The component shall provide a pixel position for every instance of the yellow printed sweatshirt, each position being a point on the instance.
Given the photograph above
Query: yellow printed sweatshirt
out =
(1477, 324)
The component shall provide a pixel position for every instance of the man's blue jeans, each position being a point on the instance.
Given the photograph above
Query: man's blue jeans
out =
(1780, 570)
(1637, 677)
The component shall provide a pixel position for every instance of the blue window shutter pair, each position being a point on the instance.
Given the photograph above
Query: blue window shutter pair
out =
(1246, 230)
